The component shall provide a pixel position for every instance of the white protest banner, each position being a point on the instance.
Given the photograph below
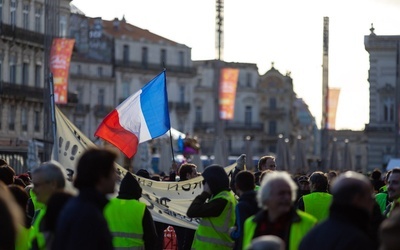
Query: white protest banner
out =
(167, 201)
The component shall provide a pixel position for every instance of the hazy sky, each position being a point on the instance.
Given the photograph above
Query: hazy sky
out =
(286, 32)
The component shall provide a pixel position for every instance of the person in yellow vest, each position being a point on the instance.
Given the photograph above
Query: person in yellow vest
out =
(349, 223)
(129, 220)
(278, 216)
(382, 197)
(216, 208)
(47, 179)
(318, 201)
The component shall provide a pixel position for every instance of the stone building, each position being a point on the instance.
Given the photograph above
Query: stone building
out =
(22, 72)
(383, 77)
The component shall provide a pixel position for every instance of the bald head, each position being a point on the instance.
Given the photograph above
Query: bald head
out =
(353, 189)
(267, 242)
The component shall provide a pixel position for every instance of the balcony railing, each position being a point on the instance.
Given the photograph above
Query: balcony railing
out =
(155, 66)
(82, 109)
(20, 91)
(7, 30)
(244, 125)
(180, 107)
(273, 112)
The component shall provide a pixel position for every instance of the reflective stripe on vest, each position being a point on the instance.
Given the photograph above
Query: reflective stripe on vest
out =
(125, 221)
(214, 231)
(297, 230)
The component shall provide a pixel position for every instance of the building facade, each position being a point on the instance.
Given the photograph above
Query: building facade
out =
(383, 78)
(23, 27)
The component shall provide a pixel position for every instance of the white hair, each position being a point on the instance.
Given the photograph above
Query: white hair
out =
(264, 192)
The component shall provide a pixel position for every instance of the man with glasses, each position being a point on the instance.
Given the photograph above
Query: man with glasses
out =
(265, 163)
(47, 179)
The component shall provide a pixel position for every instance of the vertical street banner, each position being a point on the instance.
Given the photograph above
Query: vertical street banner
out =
(60, 58)
(227, 92)
(332, 106)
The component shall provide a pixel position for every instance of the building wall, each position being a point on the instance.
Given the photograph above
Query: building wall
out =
(21, 93)
(381, 129)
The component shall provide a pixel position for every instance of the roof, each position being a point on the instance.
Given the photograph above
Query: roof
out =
(121, 29)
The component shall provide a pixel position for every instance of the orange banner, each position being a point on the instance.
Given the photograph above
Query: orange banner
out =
(227, 92)
(333, 100)
(60, 58)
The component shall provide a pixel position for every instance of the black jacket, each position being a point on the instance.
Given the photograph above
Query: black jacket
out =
(347, 228)
(81, 224)
(246, 207)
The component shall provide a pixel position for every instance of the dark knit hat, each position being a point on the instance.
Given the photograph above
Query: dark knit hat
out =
(143, 173)
(129, 188)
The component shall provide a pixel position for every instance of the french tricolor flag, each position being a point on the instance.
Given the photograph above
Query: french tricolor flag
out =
(141, 117)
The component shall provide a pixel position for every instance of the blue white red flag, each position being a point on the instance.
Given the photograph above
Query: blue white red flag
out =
(141, 117)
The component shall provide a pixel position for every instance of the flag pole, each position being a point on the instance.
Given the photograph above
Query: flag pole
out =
(53, 116)
(170, 133)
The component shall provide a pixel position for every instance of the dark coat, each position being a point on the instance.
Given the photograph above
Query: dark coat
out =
(81, 224)
(246, 207)
(347, 228)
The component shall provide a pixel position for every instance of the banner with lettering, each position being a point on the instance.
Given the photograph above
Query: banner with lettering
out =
(60, 58)
(227, 92)
(167, 201)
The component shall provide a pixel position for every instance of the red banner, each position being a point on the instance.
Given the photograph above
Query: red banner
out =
(60, 58)
(227, 92)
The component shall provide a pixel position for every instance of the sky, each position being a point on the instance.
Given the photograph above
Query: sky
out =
(286, 32)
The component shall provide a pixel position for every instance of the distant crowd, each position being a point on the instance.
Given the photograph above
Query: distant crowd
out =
(49, 208)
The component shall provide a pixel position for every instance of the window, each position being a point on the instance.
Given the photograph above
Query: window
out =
(272, 128)
(99, 71)
(248, 79)
(79, 123)
(125, 90)
(100, 97)
(13, 73)
(79, 90)
(1, 115)
(63, 26)
(25, 18)
(37, 121)
(11, 118)
(198, 114)
(181, 59)
(38, 71)
(38, 18)
(163, 57)
(25, 73)
(144, 57)
(1, 10)
(1, 70)
(13, 12)
(182, 94)
(247, 115)
(272, 103)
(24, 119)
(79, 69)
(125, 55)
(388, 110)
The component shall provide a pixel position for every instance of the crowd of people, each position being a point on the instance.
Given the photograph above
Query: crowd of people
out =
(244, 209)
